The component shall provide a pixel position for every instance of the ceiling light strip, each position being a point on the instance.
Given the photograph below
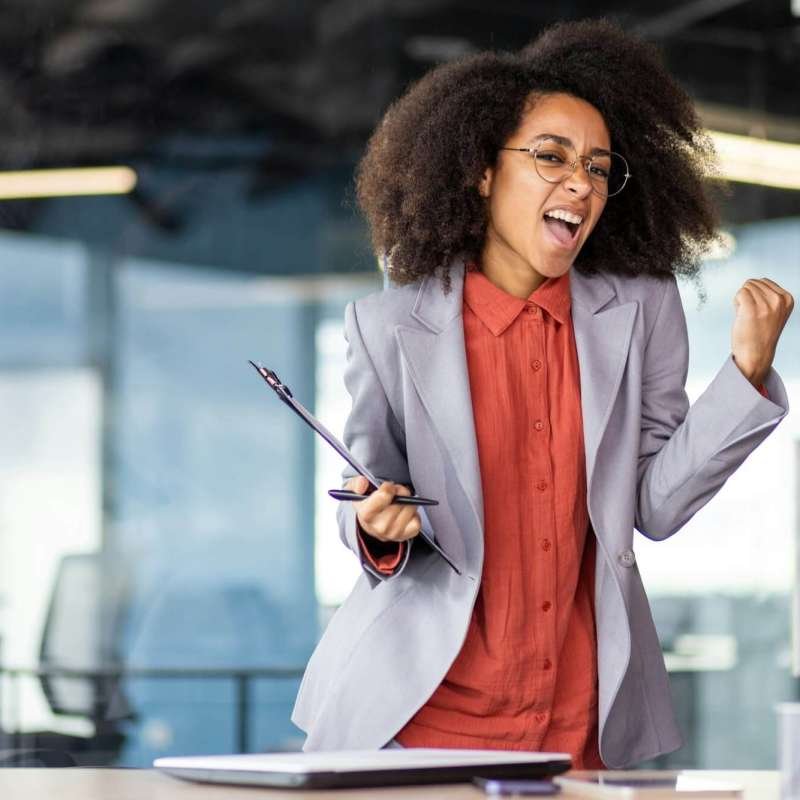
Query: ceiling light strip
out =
(66, 182)
(743, 159)
(746, 159)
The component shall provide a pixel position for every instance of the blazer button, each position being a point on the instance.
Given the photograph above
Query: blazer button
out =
(627, 558)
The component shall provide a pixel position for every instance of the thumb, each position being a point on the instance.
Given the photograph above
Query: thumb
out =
(743, 301)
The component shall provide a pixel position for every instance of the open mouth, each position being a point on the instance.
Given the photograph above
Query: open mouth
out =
(563, 225)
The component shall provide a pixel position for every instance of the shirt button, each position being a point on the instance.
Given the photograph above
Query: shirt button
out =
(541, 485)
(547, 605)
(627, 558)
(547, 664)
(538, 425)
(546, 544)
(540, 717)
(537, 365)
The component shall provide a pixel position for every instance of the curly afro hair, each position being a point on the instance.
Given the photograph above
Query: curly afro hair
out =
(418, 180)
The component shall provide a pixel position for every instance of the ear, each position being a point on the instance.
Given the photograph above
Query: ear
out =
(485, 185)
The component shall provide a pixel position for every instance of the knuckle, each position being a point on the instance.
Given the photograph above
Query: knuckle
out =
(380, 500)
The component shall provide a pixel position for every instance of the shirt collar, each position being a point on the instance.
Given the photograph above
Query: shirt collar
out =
(497, 309)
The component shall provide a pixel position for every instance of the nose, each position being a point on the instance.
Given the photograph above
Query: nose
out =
(579, 183)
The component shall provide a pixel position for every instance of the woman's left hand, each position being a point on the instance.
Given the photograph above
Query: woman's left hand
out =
(762, 308)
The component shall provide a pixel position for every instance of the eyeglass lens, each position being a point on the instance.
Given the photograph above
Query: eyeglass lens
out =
(555, 162)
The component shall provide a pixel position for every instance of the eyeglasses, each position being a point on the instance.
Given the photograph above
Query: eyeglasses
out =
(555, 161)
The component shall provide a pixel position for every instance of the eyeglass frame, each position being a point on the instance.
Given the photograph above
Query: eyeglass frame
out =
(583, 159)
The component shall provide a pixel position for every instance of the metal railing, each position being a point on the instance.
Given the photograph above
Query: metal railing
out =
(241, 678)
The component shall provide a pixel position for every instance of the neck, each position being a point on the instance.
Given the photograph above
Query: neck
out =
(509, 272)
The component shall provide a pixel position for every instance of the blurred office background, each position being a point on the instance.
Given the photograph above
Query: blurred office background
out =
(168, 556)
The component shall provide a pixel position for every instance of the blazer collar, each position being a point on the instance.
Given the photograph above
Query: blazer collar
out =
(436, 310)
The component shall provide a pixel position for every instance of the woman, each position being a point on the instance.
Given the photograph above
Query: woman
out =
(527, 371)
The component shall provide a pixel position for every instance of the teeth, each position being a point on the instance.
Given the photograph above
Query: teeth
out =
(560, 213)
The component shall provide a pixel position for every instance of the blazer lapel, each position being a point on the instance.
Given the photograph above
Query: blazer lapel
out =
(436, 358)
(603, 339)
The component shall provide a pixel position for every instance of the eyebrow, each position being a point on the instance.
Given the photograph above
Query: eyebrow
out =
(564, 140)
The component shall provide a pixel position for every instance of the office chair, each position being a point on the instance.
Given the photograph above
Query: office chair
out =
(88, 600)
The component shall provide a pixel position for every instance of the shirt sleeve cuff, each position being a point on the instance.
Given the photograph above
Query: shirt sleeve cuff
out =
(383, 556)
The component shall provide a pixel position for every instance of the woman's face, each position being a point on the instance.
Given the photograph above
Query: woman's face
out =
(522, 240)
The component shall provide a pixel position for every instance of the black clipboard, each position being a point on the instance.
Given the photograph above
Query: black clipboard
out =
(285, 394)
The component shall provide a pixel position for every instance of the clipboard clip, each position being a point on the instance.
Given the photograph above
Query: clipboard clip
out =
(282, 390)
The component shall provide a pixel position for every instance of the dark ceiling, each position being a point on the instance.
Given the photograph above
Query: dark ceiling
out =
(86, 81)
(285, 89)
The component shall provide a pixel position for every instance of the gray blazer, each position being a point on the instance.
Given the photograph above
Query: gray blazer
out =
(651, 462)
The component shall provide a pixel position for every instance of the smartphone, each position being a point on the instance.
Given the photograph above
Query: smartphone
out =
(645, 785)
(501, 787)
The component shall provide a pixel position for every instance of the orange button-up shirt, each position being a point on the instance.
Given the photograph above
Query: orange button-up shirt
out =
(526, 675)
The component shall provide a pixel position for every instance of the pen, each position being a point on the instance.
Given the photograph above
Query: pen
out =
(399, 499)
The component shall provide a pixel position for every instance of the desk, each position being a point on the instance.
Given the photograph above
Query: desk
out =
(130, 784)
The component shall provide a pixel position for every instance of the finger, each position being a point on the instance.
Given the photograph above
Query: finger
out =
(392, 521)
(402, 524)
(775, 298)
(379, 503)
(774, 286)
(357, 484)
(785, 296)
(764, 296)
(776, 294)
(413, 527)
(744, 299)
(387, 492)
(405, 516)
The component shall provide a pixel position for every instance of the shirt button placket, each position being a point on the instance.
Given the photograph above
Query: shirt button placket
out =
(539, 412)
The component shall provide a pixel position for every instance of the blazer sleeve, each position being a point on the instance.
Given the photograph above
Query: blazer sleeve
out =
(687, 453)
(373, 435)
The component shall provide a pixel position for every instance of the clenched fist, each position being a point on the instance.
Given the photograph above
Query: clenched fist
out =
(379, 517)
(762, 308)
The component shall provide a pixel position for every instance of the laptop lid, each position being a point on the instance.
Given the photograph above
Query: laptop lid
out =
(358, 768)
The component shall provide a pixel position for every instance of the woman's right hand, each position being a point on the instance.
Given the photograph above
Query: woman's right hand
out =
(379, 517)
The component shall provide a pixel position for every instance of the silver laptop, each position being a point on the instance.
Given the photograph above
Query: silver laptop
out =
(355, 768)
